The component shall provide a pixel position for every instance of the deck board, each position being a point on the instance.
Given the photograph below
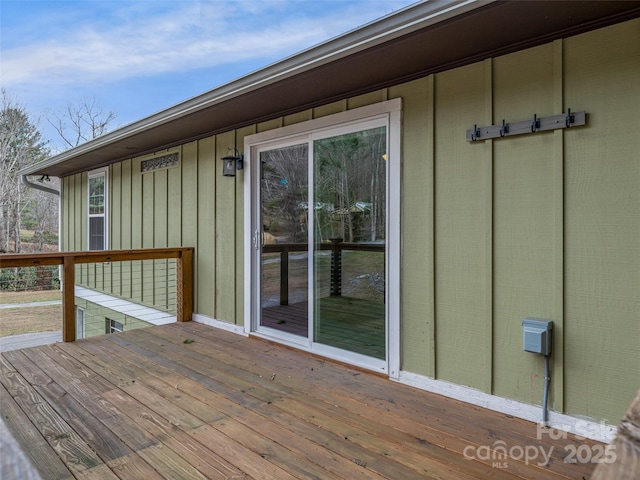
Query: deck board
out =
(143, 404)
(39, 451)
(344, 322)
(77, 455)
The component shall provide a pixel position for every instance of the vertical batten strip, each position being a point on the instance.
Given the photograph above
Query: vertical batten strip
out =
(114, 218)
(488, 187)
(86, 270)
(239, 227)
(206, 225)
(126, 225)
(225, 229)
(65, 213)
(417, 326)
(557, 386)
(431, 162)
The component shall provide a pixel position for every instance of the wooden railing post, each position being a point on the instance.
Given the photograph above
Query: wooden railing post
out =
(68, 299)
(336, 267)
(284, 276)
(185, 286)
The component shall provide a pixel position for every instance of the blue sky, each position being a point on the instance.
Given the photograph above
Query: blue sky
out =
(139, 57)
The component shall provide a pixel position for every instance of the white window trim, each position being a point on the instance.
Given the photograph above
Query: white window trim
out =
(392, 109)
(112, 328)
(104, 171)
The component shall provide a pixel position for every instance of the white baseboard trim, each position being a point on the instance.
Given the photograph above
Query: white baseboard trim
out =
(581, 427)
(212, 322)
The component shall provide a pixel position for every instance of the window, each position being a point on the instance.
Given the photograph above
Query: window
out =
(98, 209)
(80, 325)
(113, 326)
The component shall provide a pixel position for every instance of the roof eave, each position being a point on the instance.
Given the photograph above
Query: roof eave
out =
(405, 21)
(419, 40)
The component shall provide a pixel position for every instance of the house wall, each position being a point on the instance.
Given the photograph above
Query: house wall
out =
(96, 318)
(542, 225)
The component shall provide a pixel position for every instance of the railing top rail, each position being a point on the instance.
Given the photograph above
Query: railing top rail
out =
(281, 247)
(183, 284)
(10, 260)
(299, 247)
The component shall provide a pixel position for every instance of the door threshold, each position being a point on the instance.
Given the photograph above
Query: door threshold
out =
(326, 353)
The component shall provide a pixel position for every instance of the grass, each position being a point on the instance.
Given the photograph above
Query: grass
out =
(355, 265)
(17, 321)
(32, 296)
(27, 236)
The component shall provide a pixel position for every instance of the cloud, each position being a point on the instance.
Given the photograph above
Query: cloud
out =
(148, 38)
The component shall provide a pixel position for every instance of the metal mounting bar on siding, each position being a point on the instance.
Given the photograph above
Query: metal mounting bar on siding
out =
(533, 125)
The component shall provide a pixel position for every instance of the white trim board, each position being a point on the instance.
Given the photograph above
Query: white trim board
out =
(222, 325)
(131, 309)
(386, 114)
(587, 428)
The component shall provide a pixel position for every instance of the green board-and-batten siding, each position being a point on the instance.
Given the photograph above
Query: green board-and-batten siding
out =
(602, 222)
(543, 225)
(97, 318)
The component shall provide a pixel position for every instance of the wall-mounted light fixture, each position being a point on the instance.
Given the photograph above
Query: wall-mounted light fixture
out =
(231, 163)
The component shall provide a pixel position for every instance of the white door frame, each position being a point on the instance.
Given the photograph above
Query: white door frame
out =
(390, 110)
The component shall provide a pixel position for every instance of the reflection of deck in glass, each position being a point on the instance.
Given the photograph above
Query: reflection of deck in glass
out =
(349, 323)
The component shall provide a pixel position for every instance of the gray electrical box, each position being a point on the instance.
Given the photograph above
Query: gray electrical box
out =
(536, 335)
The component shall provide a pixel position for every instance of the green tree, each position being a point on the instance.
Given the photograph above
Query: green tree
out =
(350, 175)
(21, 144)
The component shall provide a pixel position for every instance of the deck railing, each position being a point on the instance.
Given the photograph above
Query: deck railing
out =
(337, 246)
(69, 261)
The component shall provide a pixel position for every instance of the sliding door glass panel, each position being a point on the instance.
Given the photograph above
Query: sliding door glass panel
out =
(284, 191)
(349, 221)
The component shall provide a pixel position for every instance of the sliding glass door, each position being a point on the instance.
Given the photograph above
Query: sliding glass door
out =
(319, 276)
(349, 198)
(284, 225)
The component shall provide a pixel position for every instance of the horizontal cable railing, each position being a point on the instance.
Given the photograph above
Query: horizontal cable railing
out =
(142, 292)
(29, 279)
(149, 285)
(336, 247)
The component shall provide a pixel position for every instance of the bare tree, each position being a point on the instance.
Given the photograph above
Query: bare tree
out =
(350, 174)
(349, 187)
(81, 122)
(21, 144)
(41, 215)
(284, 191)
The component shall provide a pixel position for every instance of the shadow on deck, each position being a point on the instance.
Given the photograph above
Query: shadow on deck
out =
(190, 401)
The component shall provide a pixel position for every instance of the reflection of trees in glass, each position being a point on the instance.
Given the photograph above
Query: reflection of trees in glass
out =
(96, 195)
(350, 185)
(285, 191)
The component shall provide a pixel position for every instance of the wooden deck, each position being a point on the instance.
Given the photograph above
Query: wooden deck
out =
(189, 401)
(348, 323)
